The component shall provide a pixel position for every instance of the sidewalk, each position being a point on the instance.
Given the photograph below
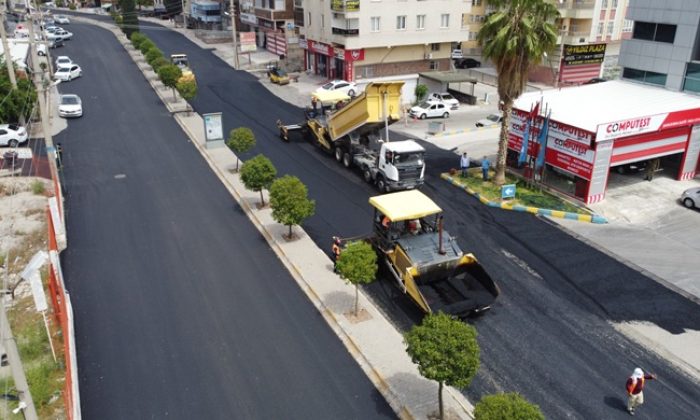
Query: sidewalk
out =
(372, 340)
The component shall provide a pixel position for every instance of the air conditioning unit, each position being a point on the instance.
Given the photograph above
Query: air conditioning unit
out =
(428, 57)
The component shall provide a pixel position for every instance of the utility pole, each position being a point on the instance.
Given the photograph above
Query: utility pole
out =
(235, 38)
(6, 49)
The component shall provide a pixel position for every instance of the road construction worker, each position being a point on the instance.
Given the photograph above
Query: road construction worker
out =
(336, 249)
(635, 388)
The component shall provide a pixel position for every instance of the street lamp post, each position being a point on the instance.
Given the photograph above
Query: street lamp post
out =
(232, 14)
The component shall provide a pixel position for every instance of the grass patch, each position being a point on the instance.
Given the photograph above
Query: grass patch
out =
(38, 187)
(525, 195)
(43, 379)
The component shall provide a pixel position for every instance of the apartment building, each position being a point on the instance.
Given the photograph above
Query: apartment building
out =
(356, 39)
(664, 48)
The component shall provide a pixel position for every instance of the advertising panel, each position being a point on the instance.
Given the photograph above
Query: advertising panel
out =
(583, 54)
(248, 42)
(213, 127)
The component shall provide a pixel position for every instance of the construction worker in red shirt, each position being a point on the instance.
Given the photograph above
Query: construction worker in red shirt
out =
(635, 388)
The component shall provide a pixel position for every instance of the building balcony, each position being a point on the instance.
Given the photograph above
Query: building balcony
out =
(576, 9)
(345, 31)
(572, 37)
(343, 6)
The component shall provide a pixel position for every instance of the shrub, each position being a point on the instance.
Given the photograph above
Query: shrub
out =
(506, 406)
(71, 6)
(152, 54)
(38, 187)
(159, 62)
(146, 45)
(137, 38)
(187, 88)
(421, 91)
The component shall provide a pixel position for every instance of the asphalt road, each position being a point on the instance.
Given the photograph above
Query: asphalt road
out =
(181, 309)
(549, 336)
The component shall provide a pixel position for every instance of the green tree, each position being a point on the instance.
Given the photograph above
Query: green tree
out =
(152, 54)
(137, 38)
(159, 62)
(289, 202)
(146, 45)
(240, 140)
(445, 350)
(17, 103)
(515, 37)
(257, 174)
(188, 89)
(421, 91)
(130, 19)
(169, 75)
(357, 265)
(510, 406)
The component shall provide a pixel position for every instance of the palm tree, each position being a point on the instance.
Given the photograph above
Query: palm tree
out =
(515, 37)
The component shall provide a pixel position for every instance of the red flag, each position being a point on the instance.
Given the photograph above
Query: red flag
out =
(535, 111)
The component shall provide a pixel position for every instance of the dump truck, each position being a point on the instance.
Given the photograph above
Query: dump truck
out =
(183, 63)
(355, 131)
(424, 260)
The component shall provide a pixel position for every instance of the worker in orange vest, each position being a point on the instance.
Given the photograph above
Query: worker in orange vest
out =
(635, 388)
(336, 249)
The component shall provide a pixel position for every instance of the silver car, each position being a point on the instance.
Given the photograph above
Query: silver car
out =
(691, 198)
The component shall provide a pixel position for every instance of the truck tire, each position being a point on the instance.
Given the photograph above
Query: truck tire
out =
(367, 174)
(382, 185)
(339, 154)
(347, 160)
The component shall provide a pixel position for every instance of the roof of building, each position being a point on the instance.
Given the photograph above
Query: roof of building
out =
(587, 106)
(448, 76)
(405, 205)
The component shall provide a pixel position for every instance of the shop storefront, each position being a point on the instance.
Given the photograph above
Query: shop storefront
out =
(594, 128)
(332, 62)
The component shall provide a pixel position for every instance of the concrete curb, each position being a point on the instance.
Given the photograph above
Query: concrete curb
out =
(454, 399)
(594, 218)
(459, 131)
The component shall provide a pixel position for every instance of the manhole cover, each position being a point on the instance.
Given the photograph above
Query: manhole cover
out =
(119, 176)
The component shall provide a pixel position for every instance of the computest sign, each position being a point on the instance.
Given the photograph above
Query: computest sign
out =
(624, 128)
(568, 148)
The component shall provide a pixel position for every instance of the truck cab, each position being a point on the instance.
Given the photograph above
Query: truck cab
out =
(400, 166)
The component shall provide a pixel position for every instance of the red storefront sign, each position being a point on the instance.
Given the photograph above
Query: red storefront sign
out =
(647, 124)
(569, 163)
(320, 48)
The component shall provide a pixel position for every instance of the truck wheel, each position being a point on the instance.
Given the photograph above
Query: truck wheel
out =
(367, 174)
(347, 160)
(339, 154)
(381, 185)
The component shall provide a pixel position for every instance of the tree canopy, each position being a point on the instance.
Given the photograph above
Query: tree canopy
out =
(289, 202)
(240, 140)
(258, 174)
(510, 406)
(358, 265)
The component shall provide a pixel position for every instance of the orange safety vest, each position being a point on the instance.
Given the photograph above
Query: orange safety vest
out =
(633, 385)
(336, 249)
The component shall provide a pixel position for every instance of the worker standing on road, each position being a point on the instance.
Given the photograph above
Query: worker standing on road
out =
(464, 164)
(336, 249)
(635, 388)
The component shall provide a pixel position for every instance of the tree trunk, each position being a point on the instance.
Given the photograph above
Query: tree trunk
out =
(236, 163)
(357, 300)
(290, 232)
(262, 198)
(174, 96)
(500, 177)
(442, 410)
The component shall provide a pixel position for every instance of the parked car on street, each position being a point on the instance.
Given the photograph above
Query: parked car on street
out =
(691, 198)
(70, 106)
(61, 19)
(41, 49)
(490, 121)
(278, 75)
(456, 54)
(348, 88)
(66, 74)
(55, 42)
(467, 63)
(444, 98)
(12, 135)
(429, 110)
(64, 34)
(63, 61)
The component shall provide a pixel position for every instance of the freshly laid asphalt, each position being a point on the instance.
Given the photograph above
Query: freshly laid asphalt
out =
(548, 336)
(181, 309)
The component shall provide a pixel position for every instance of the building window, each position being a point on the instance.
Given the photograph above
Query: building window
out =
(644, 76)
(601, 27)
(420, 22)
(692, 78)
(611, 27)
(434, 47)
(323, 21)
(472, 36)
(658, 32)
(614, 4)
(433, 65)
(445, 20)
(604, 4)
(627, 25)
(309, 19)
(476, 2)
(375, 22)
(401, 23)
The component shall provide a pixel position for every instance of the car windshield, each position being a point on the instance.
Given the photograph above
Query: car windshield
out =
(493, 117)
(69, 100)
(281, 72)
(63, 60)
(424, 105)
(447, 96)
(328, 86)
(63, 70)
(408, 158)
(14, 127)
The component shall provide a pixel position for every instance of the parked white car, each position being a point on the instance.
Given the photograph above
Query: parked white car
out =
(444, 98)
(61, 19)
(429, 110)
(66, 74)
(41, 49)
(63, 61)
(457, 54)
(12, 135)
(63, 33)
(349, 88)
(490, 121)
(70, 106)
